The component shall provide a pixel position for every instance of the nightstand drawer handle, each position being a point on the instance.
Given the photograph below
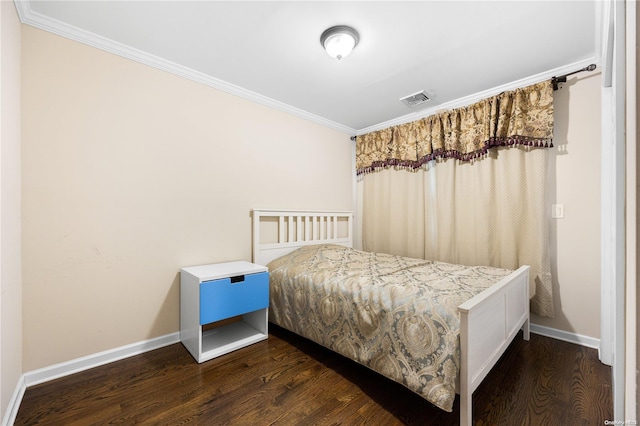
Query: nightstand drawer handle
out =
(238, 279)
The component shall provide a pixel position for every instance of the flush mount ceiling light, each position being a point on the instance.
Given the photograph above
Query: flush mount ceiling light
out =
(339, 41)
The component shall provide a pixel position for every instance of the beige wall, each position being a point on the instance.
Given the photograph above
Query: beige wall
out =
(130, 173)
(575, 182)
(10, 264)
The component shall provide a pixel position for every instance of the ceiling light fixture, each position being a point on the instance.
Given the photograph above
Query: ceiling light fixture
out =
(339, 41)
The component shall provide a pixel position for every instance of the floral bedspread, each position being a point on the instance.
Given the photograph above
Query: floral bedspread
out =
(395, 315)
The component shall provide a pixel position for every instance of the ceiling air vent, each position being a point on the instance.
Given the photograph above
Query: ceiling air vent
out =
(415, 99)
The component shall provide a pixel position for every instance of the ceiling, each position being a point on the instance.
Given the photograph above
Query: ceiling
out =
(270, 52)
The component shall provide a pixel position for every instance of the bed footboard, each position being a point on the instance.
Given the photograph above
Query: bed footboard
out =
(488, 324)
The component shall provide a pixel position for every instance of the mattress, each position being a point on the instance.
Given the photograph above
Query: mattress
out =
(395, 315)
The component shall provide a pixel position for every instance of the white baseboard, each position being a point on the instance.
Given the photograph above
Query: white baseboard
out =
(578, 339)
(95, 360)
(67, 368)
(14, 403)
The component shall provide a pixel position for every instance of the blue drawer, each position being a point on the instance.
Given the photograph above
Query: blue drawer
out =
(228, 297)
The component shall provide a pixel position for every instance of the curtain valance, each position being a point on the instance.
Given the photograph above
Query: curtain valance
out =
(520, 117)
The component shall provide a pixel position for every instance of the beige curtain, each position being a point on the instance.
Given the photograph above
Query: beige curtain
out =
(484, 206)
(488, 213)
(520, 117)
(395, 209)
(493, 213)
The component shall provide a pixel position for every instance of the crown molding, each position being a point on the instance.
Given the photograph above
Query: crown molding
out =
(29, 17)
(468, 100)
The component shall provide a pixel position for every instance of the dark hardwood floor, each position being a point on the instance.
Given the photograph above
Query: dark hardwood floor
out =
(288, 380)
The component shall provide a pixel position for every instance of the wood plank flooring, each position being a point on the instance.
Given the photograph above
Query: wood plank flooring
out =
(287, 380)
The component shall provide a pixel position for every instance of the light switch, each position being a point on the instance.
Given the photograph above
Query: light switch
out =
(557, 211)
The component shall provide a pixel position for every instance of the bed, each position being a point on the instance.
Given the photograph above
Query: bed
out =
(434, 327)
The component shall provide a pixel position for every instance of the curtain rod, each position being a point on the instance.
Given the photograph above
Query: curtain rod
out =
(563, 78)
(554, 81)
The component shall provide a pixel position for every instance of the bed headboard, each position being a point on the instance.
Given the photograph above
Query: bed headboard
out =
(278, 232)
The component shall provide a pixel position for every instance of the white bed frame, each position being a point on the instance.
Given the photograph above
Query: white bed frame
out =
(488, 322)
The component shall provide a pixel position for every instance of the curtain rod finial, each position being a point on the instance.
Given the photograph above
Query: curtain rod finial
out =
(563, 78)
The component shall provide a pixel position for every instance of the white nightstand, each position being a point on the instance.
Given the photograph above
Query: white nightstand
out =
(212, 293)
